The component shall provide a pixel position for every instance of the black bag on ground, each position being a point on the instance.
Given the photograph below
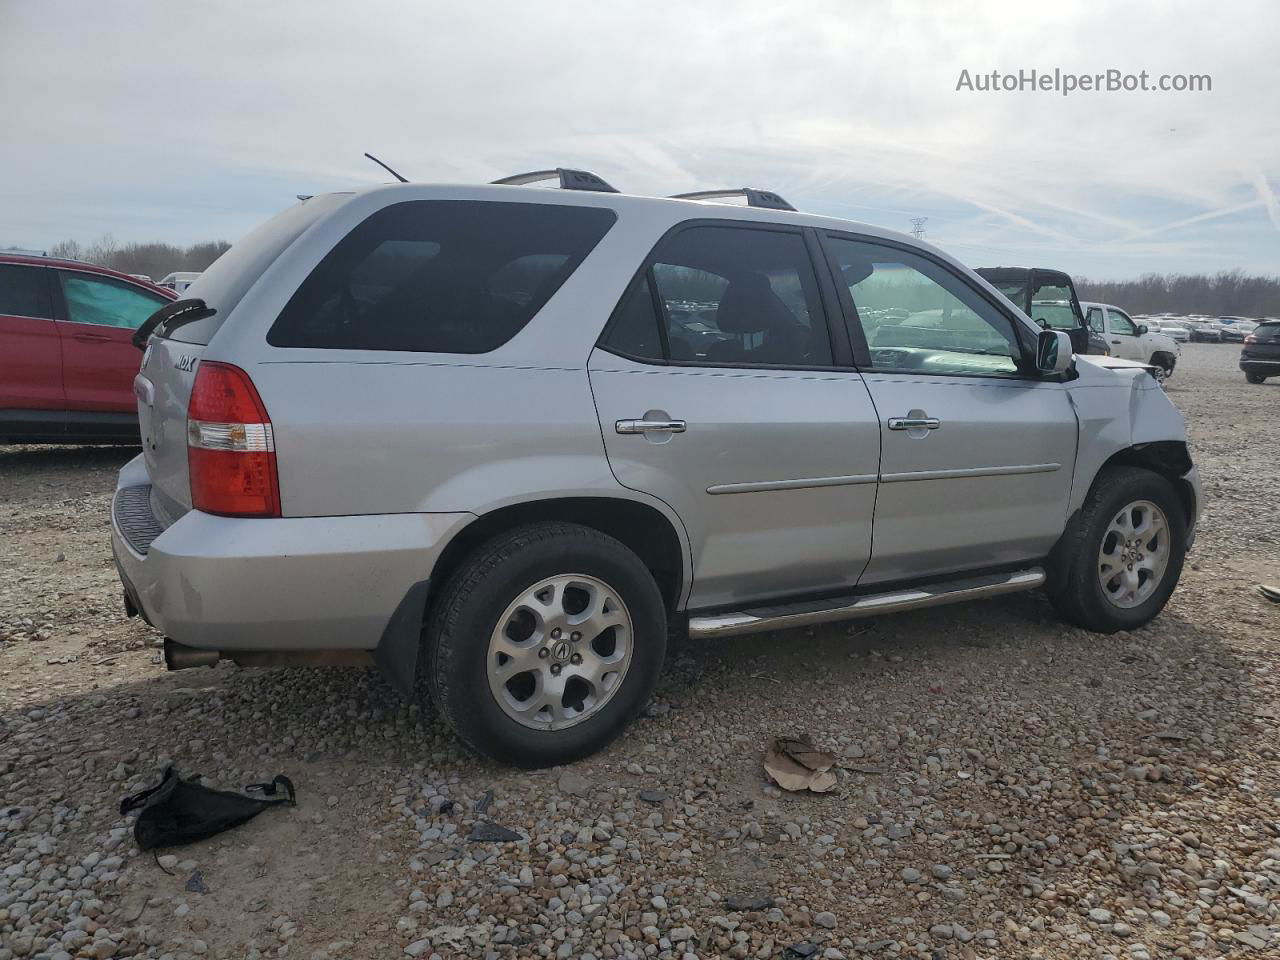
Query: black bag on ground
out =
(177, 811)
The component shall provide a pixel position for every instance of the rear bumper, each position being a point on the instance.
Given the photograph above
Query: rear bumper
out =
(1252, 365)
(297, 583)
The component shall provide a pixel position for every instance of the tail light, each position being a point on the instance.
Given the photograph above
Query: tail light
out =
(231, 453)
(1251, 339)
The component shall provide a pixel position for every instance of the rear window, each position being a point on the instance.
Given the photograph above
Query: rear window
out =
(1267, 333)
(229, 277)
(24, 292)
(439, 276)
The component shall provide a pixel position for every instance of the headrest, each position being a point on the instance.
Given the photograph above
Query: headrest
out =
(750, 306)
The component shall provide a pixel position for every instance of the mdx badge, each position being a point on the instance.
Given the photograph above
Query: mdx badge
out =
(186, 362)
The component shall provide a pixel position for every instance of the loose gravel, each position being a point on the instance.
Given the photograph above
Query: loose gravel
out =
(1009, 786)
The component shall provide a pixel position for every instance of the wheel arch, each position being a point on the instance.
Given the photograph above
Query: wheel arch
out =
(657, 538)
(643, 528)
(1169, 458)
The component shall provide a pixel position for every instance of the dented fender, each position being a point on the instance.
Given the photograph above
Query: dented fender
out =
(1120, 407)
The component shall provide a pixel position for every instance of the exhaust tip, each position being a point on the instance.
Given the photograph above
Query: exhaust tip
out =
(178, 656)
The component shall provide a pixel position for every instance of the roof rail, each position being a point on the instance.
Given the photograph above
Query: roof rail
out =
(569, 179)
(755, 198)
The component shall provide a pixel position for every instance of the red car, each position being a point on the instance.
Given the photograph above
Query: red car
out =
(66, 363)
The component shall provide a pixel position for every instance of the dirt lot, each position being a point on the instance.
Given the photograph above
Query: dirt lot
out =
(1010, 787)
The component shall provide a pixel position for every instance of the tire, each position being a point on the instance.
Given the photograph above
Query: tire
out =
(1255, 378)
(1076, 568)
(1164, 367)
(497, 583)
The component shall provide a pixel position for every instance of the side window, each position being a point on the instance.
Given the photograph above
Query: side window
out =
(1051, 308)
(1094, 318)
(24, 291)
(1121, 324)
(739, 296)
(918, 317)
(634, 331)
(105, 302)
(439, 276)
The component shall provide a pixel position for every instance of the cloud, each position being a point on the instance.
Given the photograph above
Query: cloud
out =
(185, 123)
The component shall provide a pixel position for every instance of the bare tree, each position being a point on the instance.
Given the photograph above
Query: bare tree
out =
(1227, 293)
(151, 259)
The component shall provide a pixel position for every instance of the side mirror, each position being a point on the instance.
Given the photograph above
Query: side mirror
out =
(1053, 352)
(1142, 329)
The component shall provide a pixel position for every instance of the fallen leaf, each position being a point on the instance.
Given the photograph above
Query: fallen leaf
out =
(795, 764)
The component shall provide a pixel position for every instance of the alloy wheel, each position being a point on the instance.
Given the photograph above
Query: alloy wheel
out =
(560, 651)
(1134, 554)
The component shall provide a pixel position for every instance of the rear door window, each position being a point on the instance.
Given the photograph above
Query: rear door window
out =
(105, 302)
(440, 276)
(24, 291)
(735, 296)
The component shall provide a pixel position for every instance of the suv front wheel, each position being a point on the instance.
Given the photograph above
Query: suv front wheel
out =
(545, 643)
(1122, 555)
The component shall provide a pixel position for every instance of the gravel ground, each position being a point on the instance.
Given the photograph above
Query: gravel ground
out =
(1009, 787)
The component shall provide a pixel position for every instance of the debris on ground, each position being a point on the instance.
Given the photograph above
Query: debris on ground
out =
(795, 764)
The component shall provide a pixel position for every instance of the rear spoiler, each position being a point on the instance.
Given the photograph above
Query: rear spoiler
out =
(175, 314)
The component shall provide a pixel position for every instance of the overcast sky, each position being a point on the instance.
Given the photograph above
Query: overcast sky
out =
(180, 122)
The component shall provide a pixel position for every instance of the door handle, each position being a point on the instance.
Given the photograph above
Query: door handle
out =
(92, 337)
(1116, 342)
(650, 426)
(914, 423)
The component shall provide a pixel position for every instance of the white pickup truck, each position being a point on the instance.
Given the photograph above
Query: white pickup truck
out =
(1131, 340)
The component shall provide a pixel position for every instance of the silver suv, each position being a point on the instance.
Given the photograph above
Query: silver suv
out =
(503, 437)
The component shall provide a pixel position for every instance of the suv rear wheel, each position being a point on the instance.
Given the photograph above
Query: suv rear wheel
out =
(545, 643)
(1255, 378)
(1121, 557)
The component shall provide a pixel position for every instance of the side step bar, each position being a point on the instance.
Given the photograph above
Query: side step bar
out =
(807, 613)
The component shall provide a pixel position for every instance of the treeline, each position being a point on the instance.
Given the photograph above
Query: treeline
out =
(1229, 293)
(152, 259)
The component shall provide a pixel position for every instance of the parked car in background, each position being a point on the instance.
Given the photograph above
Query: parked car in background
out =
(1048, 297)
(178, 282)
(483, 432)
(66, 361)
(1260, 357)
(1132, 341)
(1176, 331)
(1235, 329)
(1202, 330)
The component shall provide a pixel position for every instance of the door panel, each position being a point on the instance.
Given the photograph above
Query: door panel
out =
(30, 351)
(773, 476)
(987, 486)
(98, 360)
(976, 454)
(1122, 337)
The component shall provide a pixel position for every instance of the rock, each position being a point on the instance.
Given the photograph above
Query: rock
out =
(486, 832)
(1098, 915)
(574, 784)
(748, 904)
(941, 871)
(825, 919)
(911, 875)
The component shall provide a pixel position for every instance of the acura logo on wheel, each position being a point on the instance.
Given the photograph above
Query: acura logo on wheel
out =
(561, 650)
